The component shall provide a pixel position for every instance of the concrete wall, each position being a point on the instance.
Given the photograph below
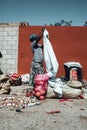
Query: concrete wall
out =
(9, 34)
(69, 44)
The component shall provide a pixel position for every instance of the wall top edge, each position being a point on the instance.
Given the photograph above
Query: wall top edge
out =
(12, 24)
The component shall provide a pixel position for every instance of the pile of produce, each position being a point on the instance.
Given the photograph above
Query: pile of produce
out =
(41, 84)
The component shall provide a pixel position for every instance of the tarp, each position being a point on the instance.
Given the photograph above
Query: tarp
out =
(50, 59)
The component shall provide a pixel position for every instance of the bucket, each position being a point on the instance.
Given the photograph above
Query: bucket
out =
(73, 70)
(73, 74)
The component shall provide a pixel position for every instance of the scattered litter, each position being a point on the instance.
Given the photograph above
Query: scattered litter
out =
(81, 96)
(65, 99)
(52, 112)
(82, 109)
(33, 104)
(19, 110)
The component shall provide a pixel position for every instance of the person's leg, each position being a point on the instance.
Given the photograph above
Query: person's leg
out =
(36, 68)
(32, 73)
(39, 69)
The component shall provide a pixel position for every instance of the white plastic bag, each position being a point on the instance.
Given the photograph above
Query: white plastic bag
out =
(25, 78)
(49, 56)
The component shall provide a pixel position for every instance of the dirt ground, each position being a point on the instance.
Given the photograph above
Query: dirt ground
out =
(68, 115)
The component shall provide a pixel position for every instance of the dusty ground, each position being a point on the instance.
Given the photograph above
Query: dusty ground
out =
(72, 116)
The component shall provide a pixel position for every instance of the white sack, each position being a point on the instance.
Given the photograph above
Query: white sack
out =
(69, 92)
(51, 93)
(56, 87)
(49, 56)
(25, 78)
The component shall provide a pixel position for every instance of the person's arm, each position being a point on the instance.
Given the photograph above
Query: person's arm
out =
(40, 35)
(35, 42)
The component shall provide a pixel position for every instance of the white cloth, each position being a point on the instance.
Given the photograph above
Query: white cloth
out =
(56, 87)
(49, 56)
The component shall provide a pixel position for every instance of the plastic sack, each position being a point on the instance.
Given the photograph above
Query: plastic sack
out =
(51, 93)
(74, 84)
(49, 56)
(56, 88)
(41, 78)
(41, 84)
(25, 78)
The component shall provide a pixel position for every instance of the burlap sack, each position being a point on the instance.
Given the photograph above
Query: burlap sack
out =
(74, 84)
(3, 77)
(51, 93)
(6, 85)
(69, 92)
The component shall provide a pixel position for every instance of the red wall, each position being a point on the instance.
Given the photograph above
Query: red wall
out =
(69, 44)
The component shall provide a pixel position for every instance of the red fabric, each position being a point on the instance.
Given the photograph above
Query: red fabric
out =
(65, 99)
(14, 76)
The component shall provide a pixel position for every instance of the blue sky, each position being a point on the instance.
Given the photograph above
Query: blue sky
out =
(38, 12)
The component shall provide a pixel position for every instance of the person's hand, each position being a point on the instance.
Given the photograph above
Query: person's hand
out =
(42, 30)
(41, 33)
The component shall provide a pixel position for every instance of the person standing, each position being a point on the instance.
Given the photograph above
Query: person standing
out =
(38, 58)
